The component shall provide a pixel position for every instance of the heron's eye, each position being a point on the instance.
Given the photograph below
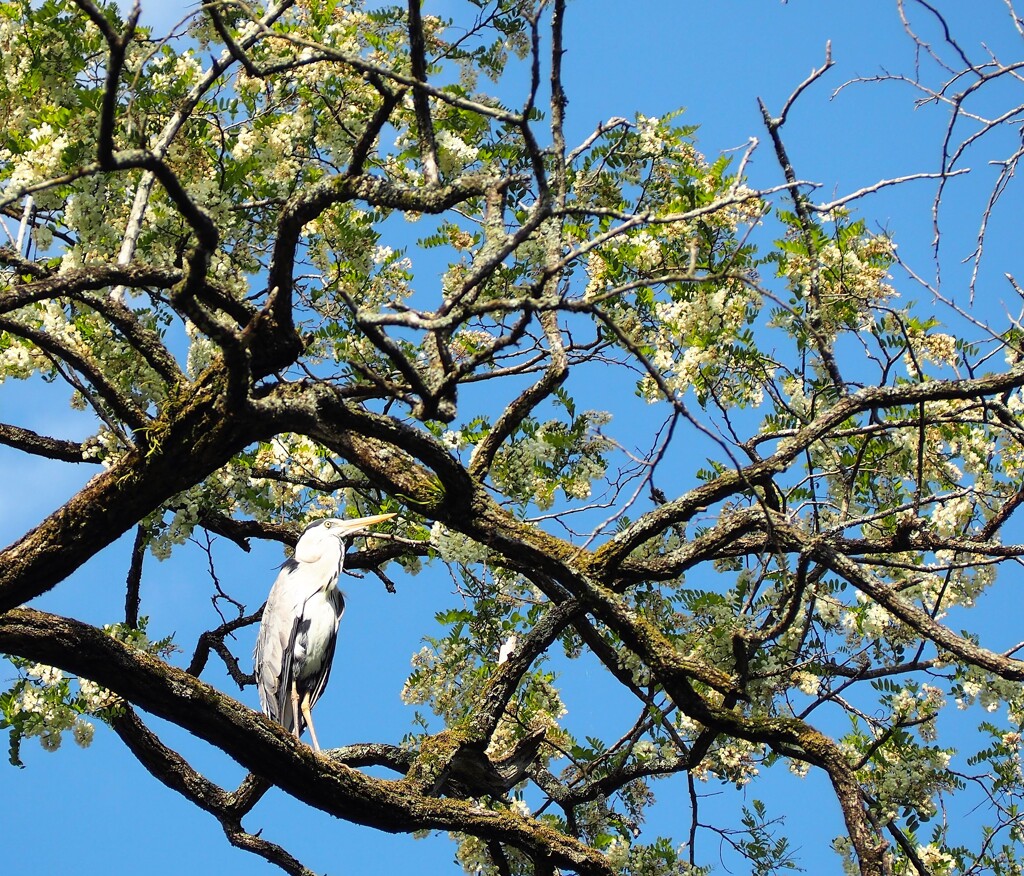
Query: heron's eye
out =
(328, 525)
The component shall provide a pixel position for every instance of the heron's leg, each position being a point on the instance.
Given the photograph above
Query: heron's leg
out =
(307, 714)
(295, 708)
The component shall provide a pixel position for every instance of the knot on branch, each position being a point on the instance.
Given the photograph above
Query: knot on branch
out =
(271, 345)
(453, 766)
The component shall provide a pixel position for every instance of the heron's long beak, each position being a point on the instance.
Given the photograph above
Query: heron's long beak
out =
(351, 527)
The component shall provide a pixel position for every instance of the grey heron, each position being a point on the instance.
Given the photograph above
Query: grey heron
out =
(299, 629)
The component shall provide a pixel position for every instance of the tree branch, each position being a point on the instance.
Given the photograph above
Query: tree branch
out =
(263, 746)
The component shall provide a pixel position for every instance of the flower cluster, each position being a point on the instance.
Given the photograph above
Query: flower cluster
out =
(453, 547)
(453, 153)
(435, 672)
(43, 705)
(937, 348)
(18, 360)
(169, 72)
(697, 344)
(990, 692)
(734, 760)
(40, 160)
(839, 281)
(908, 777)
(938, 861)
(553, 455)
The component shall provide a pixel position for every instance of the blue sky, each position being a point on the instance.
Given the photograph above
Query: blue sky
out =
(97, 811)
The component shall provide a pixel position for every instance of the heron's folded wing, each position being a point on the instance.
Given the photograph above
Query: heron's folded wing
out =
(275, 646)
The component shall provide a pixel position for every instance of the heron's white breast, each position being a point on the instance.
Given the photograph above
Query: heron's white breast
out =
(311, 644)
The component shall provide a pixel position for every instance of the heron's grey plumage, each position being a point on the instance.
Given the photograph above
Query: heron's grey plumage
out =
(298, 632)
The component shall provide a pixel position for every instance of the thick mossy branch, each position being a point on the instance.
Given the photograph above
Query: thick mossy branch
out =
(189, 440)
(267, 749)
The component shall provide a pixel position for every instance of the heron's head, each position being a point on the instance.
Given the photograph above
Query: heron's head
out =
(330, 536)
